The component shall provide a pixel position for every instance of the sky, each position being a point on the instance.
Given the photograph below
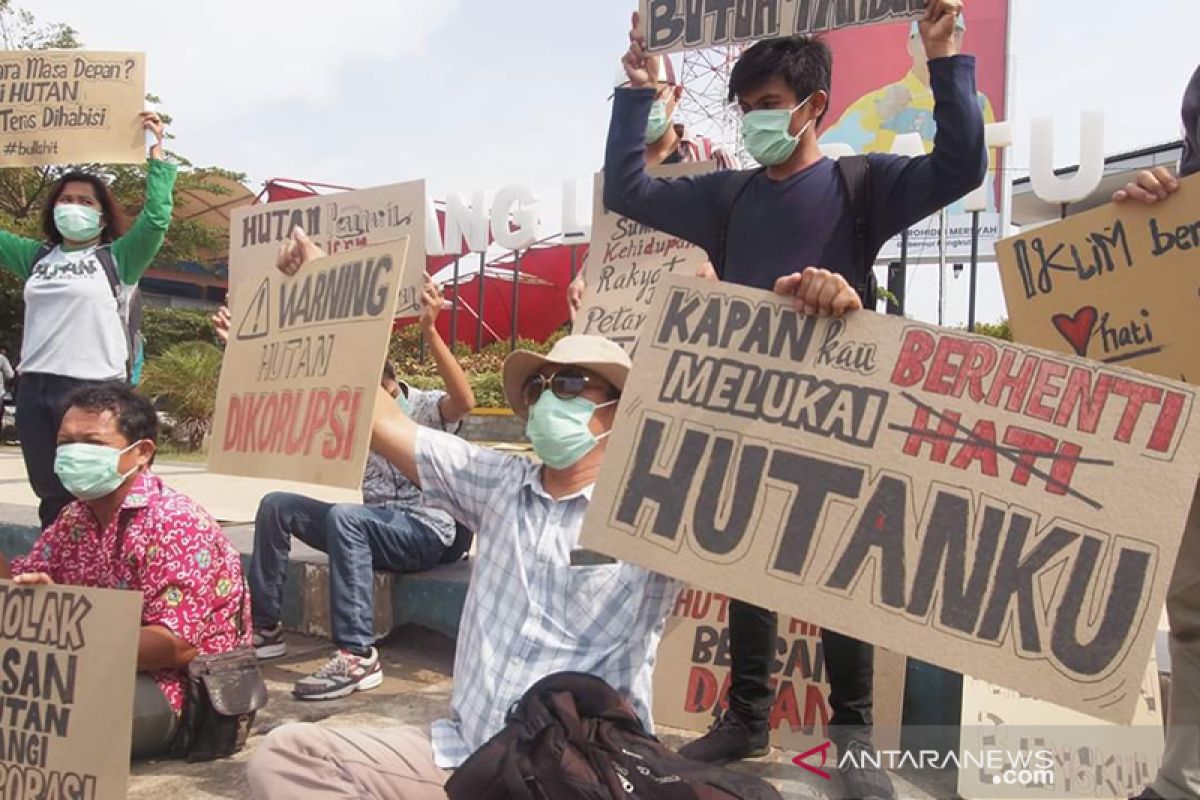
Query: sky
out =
(476, 94)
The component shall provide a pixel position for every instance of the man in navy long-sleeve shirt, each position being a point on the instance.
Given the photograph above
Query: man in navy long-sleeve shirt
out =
(790, 229)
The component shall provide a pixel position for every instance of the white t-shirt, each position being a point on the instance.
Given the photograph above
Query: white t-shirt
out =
(73, 325)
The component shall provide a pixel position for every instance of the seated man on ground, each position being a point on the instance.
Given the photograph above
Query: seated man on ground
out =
(537, 604)
(396, 530)
(129, 531)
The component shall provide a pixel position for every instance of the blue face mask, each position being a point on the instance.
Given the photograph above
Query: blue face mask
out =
(402, 401)
(77, 223)
(559, 429)
(767, 136)
(90, 471)
(656, 126)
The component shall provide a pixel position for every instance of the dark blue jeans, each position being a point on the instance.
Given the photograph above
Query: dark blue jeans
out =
(41, 403)
(357, 539)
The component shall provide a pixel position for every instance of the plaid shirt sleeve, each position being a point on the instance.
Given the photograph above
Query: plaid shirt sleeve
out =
(463, 479)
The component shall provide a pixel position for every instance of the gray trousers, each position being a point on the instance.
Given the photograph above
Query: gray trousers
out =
(313, 762)
(154, 720)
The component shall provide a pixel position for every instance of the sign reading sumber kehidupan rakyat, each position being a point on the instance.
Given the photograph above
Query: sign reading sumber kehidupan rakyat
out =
(674, 25)
(70, 106)
(998, 510)
(68, 657)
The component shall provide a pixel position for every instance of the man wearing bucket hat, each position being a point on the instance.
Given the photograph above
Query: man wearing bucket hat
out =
(537, 604)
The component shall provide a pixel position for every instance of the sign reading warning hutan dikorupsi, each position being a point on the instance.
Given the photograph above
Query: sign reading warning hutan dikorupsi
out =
(303, 364)
(337, 223)
(1119, 284)
(69, 657)
(1000, 511)
(673, 25)
(626, 262)
(69, 106)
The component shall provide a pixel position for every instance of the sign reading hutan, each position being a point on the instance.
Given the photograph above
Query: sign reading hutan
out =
(71, 106)
(1118, 284)
(1074, 755)
(692, 677)
(1000, 511)
(302, 366)
(337, 222)
(69, 659)
(674, 25)
(626, 262)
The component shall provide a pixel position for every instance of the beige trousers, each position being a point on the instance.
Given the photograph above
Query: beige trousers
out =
(316, 763)
(1179, 776)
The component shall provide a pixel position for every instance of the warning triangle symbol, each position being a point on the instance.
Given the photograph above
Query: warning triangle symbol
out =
(257, 322)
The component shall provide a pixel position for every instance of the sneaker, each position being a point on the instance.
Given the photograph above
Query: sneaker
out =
(1148, 794)
(344, 674)
(729, 739)
(268, 642)
(861, 779)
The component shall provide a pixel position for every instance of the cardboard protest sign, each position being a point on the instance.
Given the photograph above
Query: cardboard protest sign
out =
(692, 676)
(66, 106)
(70, 659)
(625, 263)
(674, 25)
(1118, 284)
(302, 366)
(1087, 757)
(950, 497)
(337, 222)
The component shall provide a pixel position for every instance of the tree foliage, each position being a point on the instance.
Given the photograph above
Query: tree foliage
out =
(23, 191)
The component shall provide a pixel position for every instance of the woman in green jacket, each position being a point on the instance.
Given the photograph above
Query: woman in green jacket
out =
(74, 326)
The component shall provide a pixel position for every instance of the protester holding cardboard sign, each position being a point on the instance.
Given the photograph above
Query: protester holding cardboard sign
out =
(1179, 775)
(667, 142)
(77, 283)
(796, 212)
(394, 530)
(537, 603)
(129, 531)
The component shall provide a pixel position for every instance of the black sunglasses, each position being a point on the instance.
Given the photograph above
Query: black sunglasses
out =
(566, 384)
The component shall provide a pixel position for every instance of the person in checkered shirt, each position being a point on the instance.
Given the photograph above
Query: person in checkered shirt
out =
(667, 142)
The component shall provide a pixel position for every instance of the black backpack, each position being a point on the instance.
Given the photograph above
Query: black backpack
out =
(855, 172)
(129, 307)
(573, 737)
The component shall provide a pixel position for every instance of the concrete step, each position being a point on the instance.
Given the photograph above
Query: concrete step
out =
(432, 600)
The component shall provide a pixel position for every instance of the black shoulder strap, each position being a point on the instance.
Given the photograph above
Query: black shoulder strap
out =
(105, 257)
(731, 191)
(43, 250)
(856, 176)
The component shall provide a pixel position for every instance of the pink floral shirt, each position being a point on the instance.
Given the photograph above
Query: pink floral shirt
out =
(173, 552)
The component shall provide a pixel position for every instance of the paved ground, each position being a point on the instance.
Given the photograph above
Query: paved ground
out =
(415, 691)
(417, 664)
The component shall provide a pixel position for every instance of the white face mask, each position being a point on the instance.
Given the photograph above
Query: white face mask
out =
(767, 134)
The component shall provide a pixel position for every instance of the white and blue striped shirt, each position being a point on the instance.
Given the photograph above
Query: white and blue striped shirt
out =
(528, 612)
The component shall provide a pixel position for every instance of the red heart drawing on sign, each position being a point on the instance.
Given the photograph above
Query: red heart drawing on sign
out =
(1077, 329)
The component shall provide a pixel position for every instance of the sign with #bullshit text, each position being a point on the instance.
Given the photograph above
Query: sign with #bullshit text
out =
(70, 106)
(1000, 511)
